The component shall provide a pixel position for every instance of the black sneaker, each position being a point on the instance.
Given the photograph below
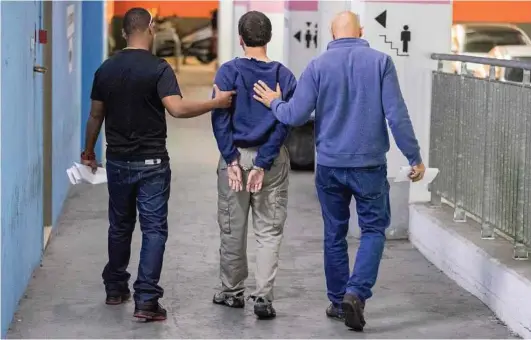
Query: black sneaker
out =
(150, 312)
(233, 301)
(335, 312)
(264, 308)
(117, 299)
(353, 309)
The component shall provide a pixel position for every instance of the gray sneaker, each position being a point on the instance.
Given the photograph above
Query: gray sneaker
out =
(264, 308)
(233, 301)
(335, 312)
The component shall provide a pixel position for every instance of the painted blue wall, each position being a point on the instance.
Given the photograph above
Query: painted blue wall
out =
(93, 50)
(66, 102)
(21, 177)
(21, 135)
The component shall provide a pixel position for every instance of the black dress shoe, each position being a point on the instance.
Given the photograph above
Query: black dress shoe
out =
(150, 312)
(117, 299)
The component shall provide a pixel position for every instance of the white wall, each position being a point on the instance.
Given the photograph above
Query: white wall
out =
(429, 24)
(225, 30)
(229, 14)
(275, 49)
(238, 11)
(299, 53)
(327, 11)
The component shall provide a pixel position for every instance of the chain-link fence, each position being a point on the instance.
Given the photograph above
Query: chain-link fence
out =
(480, 140)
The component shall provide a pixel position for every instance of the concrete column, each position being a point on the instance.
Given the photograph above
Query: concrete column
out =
(225, 30)
(429, 25)
(230, 13)
(239, 9)
(275, 11)
(327, 10)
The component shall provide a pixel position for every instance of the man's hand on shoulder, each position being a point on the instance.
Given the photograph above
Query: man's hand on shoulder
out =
(223, 99)
(264, 94)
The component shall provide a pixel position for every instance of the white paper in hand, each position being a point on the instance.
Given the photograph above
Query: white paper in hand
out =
(73, 175)
(80, 173)
(429, 175)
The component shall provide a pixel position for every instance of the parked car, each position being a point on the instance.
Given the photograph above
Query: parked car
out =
(510, 52)
(476, 39)
(166, 42)
(301, 149)
(301, 146)
(199, 44)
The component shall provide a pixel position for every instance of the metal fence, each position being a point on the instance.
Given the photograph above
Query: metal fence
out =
(480, 140)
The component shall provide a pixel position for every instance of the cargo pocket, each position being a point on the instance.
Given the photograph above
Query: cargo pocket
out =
(281, 208)
(224, 214)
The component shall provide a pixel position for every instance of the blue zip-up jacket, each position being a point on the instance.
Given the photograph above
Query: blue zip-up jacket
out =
(248, 123)
(353, 89)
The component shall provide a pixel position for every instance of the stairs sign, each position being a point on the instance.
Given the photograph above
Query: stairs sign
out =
(405, 36)
(382, 19)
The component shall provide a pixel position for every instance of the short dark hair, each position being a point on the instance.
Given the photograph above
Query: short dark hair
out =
(255, 29)
(136, 19)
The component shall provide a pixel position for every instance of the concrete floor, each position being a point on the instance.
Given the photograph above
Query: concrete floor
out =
(65, 298)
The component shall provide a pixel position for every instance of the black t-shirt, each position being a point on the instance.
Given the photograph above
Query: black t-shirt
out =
(131, 85)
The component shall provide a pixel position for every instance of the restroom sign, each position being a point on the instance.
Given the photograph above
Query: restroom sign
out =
(308, 36)
(303, 34)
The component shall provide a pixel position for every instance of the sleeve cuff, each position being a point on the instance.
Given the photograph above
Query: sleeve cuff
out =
(415, 160)
(171, 93)
(231, 157)
(263, 164)
(274, 105)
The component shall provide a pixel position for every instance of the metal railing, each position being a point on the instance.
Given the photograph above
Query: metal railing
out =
(480, 140)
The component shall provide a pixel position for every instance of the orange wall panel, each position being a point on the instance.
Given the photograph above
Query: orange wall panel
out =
(492, 11)
(193, 9)
(109, 11)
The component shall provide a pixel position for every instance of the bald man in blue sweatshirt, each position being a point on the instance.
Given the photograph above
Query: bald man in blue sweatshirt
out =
(353, 90)
(253, 169)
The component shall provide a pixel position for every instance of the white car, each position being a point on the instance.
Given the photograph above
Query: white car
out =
(166, 42)
(479, 39)
(510, 52)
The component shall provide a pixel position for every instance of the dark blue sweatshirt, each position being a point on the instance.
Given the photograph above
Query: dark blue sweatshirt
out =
(353, 90)
(249, 123)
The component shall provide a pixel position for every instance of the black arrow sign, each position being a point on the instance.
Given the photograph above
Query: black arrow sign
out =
(298, 36)
(382, 18)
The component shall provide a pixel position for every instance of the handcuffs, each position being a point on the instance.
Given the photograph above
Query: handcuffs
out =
(254, 167)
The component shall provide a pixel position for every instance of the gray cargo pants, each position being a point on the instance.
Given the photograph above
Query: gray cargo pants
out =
(269, 212)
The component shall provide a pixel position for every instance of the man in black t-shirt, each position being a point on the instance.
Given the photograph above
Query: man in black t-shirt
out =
(131, 92)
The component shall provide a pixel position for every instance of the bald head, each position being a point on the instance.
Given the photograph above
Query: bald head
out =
(346, 25)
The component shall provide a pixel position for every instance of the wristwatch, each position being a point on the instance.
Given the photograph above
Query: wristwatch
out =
(257, 168)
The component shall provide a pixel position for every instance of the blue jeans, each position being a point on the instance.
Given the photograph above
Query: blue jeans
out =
(370, 188)
(135, 185)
